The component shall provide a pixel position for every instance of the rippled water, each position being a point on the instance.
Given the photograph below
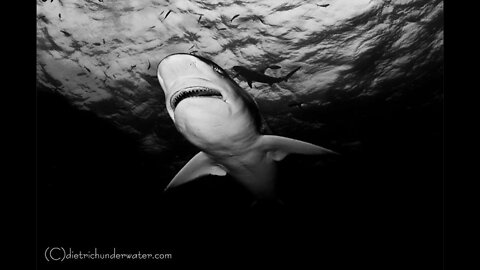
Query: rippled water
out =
(103, 55)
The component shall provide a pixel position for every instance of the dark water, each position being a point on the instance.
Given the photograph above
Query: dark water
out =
(373, 79)
(379, 206)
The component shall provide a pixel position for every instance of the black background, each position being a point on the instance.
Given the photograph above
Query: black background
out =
(378, 206)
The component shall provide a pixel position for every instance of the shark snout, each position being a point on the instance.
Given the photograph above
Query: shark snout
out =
(178, 65)
(179, 71)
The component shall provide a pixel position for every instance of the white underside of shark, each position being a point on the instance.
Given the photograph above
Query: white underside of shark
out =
(219, 117)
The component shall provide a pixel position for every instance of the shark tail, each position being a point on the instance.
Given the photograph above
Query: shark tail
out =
(285, 78)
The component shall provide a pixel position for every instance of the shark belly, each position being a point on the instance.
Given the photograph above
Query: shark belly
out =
(253, 169)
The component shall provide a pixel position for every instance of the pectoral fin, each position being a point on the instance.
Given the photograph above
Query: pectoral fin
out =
(199, 165)
(279, 147)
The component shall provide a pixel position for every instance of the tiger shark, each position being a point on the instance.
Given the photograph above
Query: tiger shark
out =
(220, 118)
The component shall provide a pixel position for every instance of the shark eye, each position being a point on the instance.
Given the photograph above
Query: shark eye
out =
(218, 70)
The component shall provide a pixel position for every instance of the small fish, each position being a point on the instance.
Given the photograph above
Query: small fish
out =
(161, 13)
(168, 13)
(260, 19)
(65, 33)
(60, 16)
(103, 41)
(192, 52)
(87, 68)
(324, 5)
(97, 44)
(151, 27)
(114, 76)
(234, 17)
(223, 28)
(148, 65)
(199, 18)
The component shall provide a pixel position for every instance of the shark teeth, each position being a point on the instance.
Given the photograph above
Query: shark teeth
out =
(194, 91)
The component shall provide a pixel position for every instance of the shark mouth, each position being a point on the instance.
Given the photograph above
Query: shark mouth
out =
(191, 92)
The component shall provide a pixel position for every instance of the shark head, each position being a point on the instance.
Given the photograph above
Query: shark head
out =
(205, 104)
